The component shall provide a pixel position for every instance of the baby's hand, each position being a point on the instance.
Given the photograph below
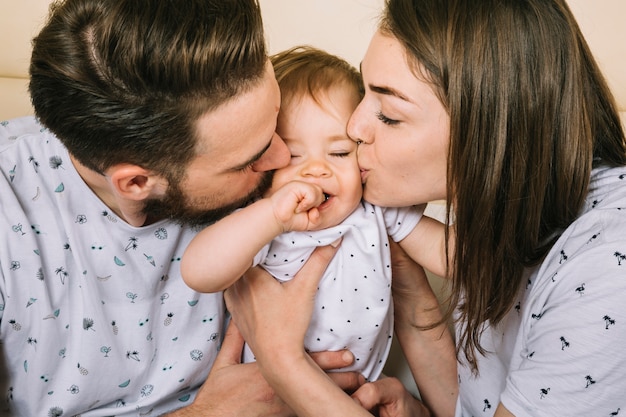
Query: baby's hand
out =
(295, 205)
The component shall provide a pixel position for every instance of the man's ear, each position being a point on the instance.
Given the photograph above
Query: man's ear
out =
(133, 182)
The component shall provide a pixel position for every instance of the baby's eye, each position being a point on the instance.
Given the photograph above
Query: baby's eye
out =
(385, 119)
(341, 154)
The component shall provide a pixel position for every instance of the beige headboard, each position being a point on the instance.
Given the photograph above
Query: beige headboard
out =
(341, 27)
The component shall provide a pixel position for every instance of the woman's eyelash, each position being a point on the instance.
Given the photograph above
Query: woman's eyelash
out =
(385, 119)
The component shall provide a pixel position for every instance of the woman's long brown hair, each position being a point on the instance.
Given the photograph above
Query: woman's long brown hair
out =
(530, 115)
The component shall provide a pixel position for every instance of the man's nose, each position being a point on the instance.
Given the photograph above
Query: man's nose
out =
(277, 156)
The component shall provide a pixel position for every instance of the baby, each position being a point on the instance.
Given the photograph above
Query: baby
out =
(316, 200)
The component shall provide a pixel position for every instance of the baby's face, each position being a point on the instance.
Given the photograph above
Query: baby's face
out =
(321, 151)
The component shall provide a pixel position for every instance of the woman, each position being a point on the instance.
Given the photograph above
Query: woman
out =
(499, 108)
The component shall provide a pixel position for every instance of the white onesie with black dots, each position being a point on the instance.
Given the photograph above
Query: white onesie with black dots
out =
(353, 307)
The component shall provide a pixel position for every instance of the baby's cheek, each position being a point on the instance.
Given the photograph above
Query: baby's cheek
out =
(281, 177)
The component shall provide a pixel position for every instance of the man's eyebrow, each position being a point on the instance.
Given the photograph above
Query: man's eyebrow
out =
(254, 158)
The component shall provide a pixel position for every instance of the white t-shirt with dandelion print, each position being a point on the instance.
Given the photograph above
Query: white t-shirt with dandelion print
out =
(93, 312)
(560, 350)
(353, 305)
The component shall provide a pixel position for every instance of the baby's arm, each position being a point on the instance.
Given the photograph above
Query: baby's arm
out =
(426, 245)
(222, 252)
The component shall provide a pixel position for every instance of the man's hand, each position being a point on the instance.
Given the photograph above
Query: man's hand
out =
(236, 389)
(233, 388)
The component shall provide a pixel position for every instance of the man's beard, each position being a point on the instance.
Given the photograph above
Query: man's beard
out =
(176, 207)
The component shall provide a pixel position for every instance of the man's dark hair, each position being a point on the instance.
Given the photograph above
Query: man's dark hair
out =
(124, 81)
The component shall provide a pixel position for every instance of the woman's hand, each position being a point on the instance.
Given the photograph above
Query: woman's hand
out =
(389, 398)
(415, 303)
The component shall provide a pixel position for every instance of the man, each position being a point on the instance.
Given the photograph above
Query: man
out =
(156, 117)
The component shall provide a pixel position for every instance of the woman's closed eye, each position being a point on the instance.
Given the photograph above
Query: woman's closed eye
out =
(386, 120)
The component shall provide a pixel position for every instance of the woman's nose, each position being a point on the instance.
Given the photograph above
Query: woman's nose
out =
(356, 126)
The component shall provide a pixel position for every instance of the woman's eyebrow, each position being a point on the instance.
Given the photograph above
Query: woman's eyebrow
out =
(388, 91)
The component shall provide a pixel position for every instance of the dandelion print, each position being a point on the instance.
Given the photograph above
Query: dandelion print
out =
(56, 162)
(88, 324)
(55, 412)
